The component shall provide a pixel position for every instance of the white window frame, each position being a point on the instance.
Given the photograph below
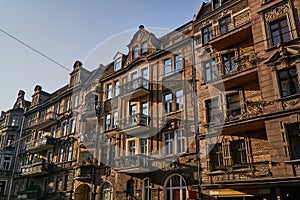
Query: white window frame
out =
(145, 146)
(118, 62)
(168, 143)
(107, 119)
(147, 187)
(129, 148)
(109, 88)
(115, 117)
(116, 88)
(183, 186)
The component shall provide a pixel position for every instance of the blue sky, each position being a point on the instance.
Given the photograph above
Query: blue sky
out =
(69, 30)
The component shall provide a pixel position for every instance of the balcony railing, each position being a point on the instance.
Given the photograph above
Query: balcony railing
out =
(246, 111)
(248, 171)
(88, 107)
(41, 144)
(36, 168)
(134, 85)
(133, 163)
(134, 120)
(84, 172)
(237, 21)
(50, 116)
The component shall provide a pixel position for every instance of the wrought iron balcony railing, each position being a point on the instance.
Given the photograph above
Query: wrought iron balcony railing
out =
(248, 171)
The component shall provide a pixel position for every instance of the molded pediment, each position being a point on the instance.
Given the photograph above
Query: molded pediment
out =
(282, 53)
(143, 35)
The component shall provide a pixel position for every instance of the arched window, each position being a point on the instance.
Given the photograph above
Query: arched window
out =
(107, 192)
(146, 189)
(175, 188)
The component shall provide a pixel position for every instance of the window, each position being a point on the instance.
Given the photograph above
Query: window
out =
(216, 4)
(179, 100)
(115, 120)
(233, 105)
(61, 155)
(107, 192)
(144, 146)
(134, 79)
(67, 105)
(225, 24)
(279, 31)
(2, 187)
(135, 52)
(75, 101)
(10, 140)
(293, 133)
(167, 67)
(6, 163)
(169, 138)
(228, 63)
(210, 70)
(168, 103)
(132, 113)
(207, 34)
(131, 147)
(130, 188)
(14, 121)
(288, 81)
(117, 64)
(56, 108)
(116, 88)
(238, 151)
(178, 62)
(64, 129)
(50, 157)
(145, 108)
(180, 141)
(73, 126)
(216, 156)
(146, 189)
(212, 107)
(107, 122)
(227, 154)
(176, 188)
(108, 91)
(70, 152)
(145, 73)
(66, 181)
(57, 183)
(144, 47)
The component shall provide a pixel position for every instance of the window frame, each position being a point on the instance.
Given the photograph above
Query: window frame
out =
(211, 67)
(109, 88)
(225, 24)
(167, 67)
(207, 34)
(280, 30)
(118, 64)
(107, 118)
(290, 80)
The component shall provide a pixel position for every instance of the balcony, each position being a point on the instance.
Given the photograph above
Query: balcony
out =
(44, 143)
(239, 30)
(136, 123)
(39, 167)
(89, 108)
(248, 117)
(46, 120)
(135, 88)
(84, 172)
(243, 71)
(133, 164)
(247, 172)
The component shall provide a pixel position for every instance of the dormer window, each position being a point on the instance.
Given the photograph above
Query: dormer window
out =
(216, 4)
(117, 64)
(135, 52)
(144, 47)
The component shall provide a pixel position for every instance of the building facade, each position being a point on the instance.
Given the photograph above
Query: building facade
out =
(207, 111)
(10, 130)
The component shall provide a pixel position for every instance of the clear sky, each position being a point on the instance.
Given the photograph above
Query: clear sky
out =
(67, 31)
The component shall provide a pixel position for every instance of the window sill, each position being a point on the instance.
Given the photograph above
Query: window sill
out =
(172, 113)
(292, 161)
(271, 48)
(289, 97)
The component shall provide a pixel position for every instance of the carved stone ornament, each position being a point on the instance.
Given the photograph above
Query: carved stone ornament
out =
(275, 12)
(290, 103)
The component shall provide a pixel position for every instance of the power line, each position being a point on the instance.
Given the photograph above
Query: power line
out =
(33, 49)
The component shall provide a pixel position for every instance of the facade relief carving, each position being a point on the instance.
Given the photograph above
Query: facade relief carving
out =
(275, 12)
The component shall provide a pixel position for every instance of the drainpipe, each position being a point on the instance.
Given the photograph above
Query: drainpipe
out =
(196, 120)
(16, 152)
